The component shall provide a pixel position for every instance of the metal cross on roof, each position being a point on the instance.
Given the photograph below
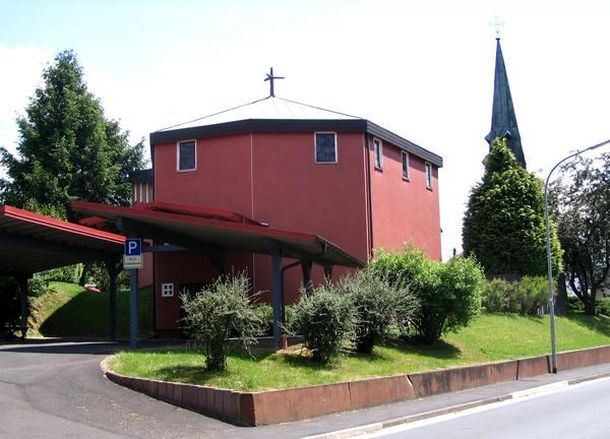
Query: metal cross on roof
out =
(271, 78)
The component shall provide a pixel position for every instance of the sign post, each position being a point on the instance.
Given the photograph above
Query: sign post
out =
(132, 261)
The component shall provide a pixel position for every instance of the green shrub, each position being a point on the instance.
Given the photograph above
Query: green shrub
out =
(575, 304)
(69, 273)
(449, 294)
(289, 317)
(527, 296)
(603, 307)
(378, 305)
(325, 320)
(500, 296)
(462, 278)
(533, 294)
(264, 315)
(37, 286)
(216, 312)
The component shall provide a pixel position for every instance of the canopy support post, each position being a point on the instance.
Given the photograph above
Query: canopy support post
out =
(133, 308)
(328, 273)
(276, 292)
(307, 284)
(113, 268)
(23, 301)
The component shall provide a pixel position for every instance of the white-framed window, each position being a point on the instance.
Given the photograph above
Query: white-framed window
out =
(325, 147)
(428, 175)
(186, 153)
(167, 289)
(378, 153)
(404, 158)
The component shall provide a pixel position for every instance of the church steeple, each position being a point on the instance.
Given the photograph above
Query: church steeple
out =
(503, 120)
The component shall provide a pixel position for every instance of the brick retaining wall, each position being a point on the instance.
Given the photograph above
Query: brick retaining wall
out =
(283, 405)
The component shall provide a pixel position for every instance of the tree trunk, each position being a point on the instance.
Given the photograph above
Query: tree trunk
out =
(561, 302)
(589, 305)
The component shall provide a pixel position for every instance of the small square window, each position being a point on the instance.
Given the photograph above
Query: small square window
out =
(167, 290)
(187, 155)
(404, 156)
(326, 147)
(378, 150)
(428, 175)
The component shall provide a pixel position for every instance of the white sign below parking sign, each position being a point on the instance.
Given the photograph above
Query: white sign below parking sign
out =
(132, 256)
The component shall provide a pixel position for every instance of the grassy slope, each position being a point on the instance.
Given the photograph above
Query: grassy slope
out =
(489, 338)
(70, 310)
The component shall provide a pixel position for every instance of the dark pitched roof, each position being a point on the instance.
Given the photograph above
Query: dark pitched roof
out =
(503, 119)
(278, 115)
(142, 176)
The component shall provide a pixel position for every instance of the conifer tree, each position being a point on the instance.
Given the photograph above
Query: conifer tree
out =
(67, 148)
(504, 224)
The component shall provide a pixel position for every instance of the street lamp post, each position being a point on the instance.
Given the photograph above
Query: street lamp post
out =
(548, 252)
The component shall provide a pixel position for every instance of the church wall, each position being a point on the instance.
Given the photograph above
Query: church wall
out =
(274, 178)
(404, 211)
(292, 191)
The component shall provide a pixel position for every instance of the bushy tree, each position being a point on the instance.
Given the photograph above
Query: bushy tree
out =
(504, 225)
(378, 305)
(67, 147)
(581, 204)
(218, 311)
(449, 294)
(326, 321)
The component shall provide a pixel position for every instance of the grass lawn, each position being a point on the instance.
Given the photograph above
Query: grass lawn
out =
(489, 338)
(70, 310)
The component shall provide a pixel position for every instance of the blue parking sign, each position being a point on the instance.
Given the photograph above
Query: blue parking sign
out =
(133, 247)
(132, 255)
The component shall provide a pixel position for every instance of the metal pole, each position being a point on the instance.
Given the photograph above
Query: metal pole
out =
(133, 308)
(549, 254)
(550, 276)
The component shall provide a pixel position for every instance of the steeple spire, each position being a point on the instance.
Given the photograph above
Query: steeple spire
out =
(503, 119)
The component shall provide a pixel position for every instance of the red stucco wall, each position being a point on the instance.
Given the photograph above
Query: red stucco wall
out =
(404, 211)
(274, 178)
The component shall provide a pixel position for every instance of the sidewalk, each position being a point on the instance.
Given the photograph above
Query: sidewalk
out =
(342, 425)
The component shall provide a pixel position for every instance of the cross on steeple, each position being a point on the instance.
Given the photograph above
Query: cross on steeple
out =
(497, 25)
(271, 78)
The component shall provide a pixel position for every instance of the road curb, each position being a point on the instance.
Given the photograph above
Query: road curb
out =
(377, 426)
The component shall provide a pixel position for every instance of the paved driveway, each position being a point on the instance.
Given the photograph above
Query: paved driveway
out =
(51, 390)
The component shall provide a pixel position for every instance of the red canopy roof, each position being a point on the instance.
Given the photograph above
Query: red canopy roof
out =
(193, 226)
(30, 242)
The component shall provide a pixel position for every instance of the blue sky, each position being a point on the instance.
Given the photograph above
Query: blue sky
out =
(423, 69)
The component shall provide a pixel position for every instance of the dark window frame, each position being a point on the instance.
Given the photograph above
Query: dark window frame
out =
(405, 160)
(315, 148)
(378, 153)
(179, 155)
(429, 175)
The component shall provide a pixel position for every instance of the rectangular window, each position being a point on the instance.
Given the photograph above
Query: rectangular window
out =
(378, 149)
(405, 164)
(326, 147)
(187, 155)
(428, 175)
(167, 290)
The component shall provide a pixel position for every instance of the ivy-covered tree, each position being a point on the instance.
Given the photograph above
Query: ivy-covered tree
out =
(504, 224)
(581, 203)
(67, 148)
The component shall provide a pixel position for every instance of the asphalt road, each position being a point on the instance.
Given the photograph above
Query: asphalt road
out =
(581, 411)
(57, 390)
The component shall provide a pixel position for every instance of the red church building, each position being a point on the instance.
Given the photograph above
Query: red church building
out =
(296, 167)
(292, 168)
